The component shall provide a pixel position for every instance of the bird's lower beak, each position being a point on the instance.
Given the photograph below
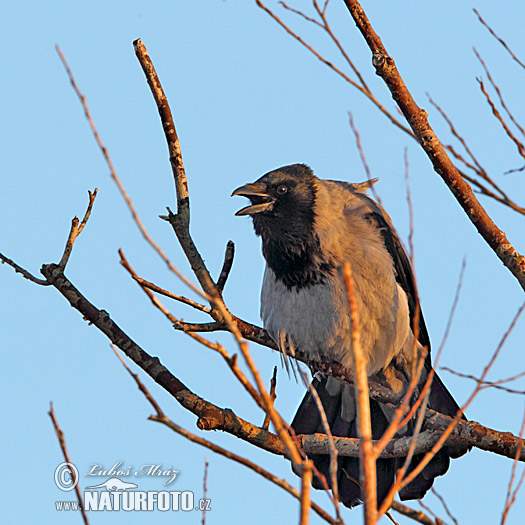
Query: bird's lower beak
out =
(257, 193)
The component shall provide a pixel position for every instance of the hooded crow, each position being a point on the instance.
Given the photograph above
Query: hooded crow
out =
(309, 228)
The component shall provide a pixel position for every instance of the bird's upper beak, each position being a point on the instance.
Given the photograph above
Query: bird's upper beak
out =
(258, 194)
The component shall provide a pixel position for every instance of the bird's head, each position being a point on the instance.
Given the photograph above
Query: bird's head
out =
(284, 210)
(282, 201)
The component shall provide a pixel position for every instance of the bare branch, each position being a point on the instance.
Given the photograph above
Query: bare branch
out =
(367, 458)
(199, 327)
(212, 417)
(116, 179)
(306, 482)
(417, 118)
(501, 196)
(180, 222)
(230, 360)
(363, 90)
(478, 168)
(301, 14)
(160, 417)
(471, 432)
(249, 331)
(389, 498)
(335, 40)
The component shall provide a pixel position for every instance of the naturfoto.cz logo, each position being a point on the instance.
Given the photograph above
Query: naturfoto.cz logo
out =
(115, 494)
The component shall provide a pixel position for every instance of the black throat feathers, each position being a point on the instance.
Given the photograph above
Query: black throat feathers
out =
(292, 248)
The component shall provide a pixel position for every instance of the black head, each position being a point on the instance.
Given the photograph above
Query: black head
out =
(283, 212)
(282, 199)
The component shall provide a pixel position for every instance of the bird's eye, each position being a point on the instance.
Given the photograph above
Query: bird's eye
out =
(282, 189)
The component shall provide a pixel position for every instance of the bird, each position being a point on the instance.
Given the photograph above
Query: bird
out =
(309, 229)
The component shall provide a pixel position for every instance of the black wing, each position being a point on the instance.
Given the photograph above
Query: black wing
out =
(440, 398)
(404, 277)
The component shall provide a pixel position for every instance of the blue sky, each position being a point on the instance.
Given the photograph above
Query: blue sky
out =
(246, 99)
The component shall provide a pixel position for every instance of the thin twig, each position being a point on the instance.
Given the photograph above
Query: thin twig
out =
(501, 196)
(511, 495)
(140, 384)
(488, 384)
(326, 26)
(273, 395)
(444, 503)
(410, 210)
(363, 157)
(497, 114)
(478, 168)
(498, 92)
(214, 326)
(74, 478)
(335, 40)
(75, 231)
(391, 518)
(500, 40)
(166, 293)
(226, 266)
(26, 274)
(205, 490)
(439, 521)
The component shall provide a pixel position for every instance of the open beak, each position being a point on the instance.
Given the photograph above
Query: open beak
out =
(257, 194)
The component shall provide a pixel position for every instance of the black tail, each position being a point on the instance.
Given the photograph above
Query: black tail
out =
(339, 406)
